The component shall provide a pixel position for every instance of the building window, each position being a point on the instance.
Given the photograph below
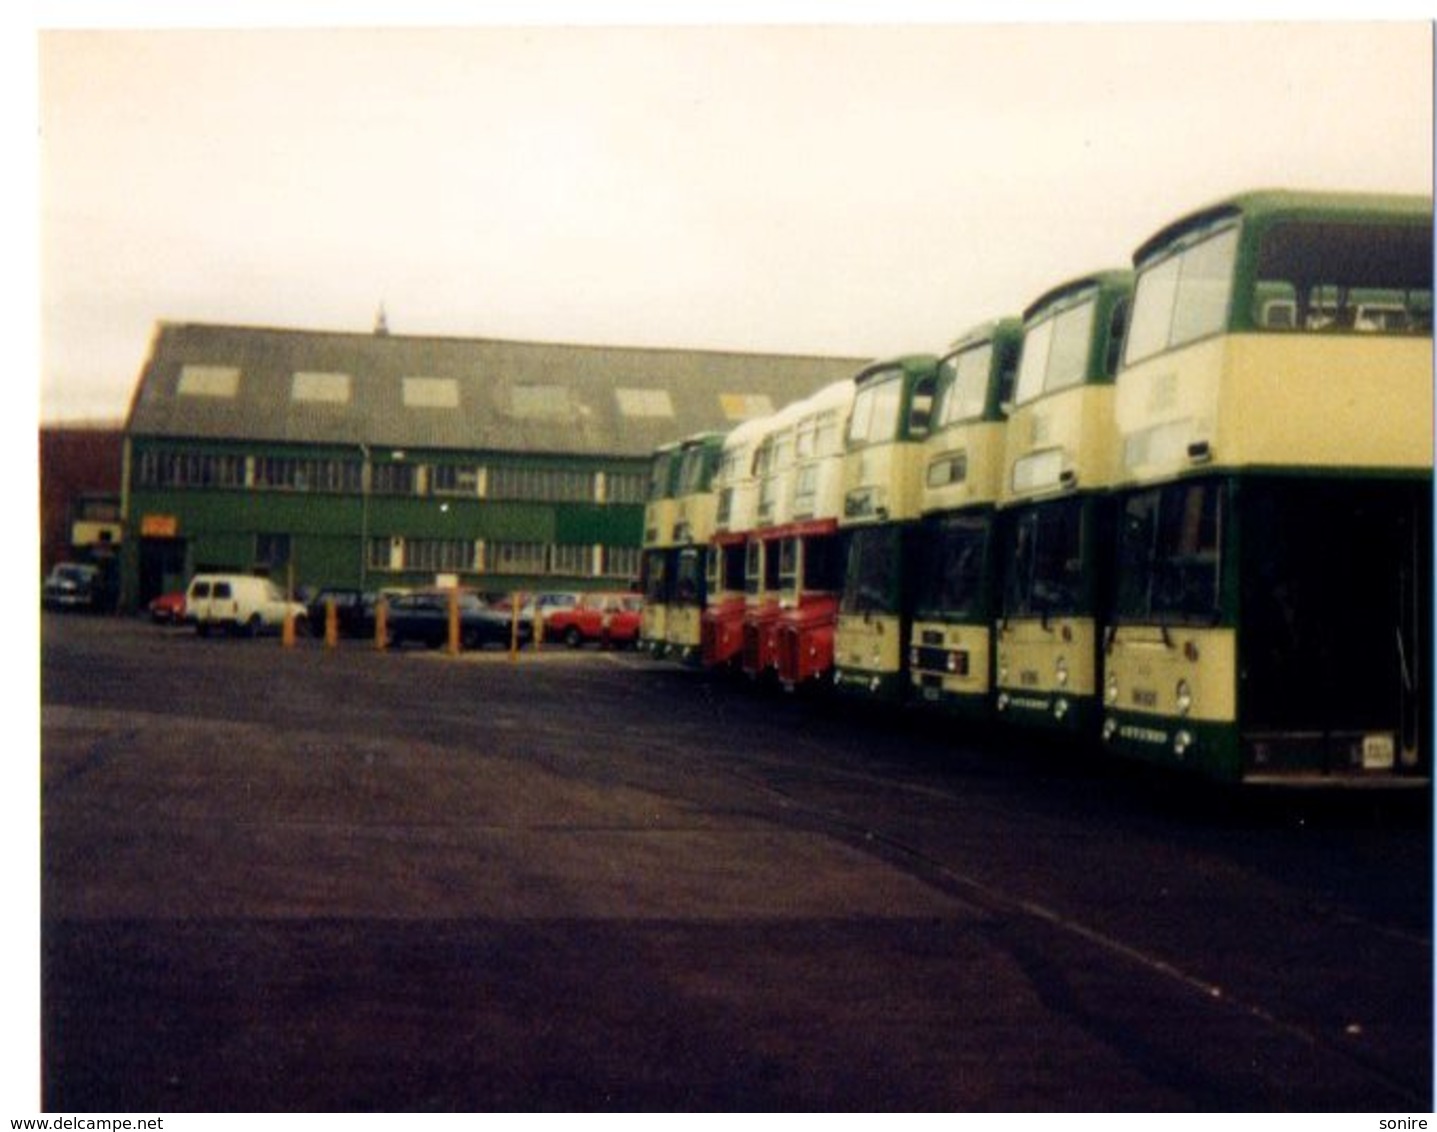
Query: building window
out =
(454, 479)
(515, 557)
(291, 473)
(626, 487)
(620, 562)
(571, 559)
(189, 469)
(392, 479)
(384, 552)
(541, 485)
(440, 555)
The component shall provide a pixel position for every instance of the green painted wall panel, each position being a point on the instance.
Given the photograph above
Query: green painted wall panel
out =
(614, 525)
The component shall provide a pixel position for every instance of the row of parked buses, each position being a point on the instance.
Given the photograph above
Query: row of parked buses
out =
(1182, 510)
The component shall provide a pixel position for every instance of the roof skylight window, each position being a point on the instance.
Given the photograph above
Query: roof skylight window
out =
(209, 381)
(325, 388)
(431, 393)
(645, 402)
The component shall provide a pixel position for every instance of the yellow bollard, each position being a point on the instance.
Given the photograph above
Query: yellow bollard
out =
(453, 623)
(381, 623)
(286, 635)
(331, 624)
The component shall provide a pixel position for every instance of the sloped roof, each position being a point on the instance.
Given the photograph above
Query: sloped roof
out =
(317, 387)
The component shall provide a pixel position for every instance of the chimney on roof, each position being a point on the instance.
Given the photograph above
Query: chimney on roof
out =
(381, 321)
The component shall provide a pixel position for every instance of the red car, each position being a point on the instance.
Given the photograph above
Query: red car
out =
(606, 619)
(168, 609)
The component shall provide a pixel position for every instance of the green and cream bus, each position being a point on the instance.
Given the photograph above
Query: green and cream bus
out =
(656, 567)
(956, 573)
(882, 470)
(1054, 536)
(693, 529)
(1272, 616)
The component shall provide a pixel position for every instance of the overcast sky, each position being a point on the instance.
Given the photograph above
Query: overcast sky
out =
(855, 190)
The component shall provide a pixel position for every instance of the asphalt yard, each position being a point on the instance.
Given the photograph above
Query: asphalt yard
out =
(318, 879)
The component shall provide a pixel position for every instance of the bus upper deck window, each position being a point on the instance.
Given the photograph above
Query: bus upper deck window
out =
(1274, 306)
(1117, 331)
(920, 409)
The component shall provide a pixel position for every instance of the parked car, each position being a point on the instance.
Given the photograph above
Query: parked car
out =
(495, 624)
(167, 609)
(550, 603)
(424, 617)
(239, 603)
(353, 610)
(603, 618)
(77, 585)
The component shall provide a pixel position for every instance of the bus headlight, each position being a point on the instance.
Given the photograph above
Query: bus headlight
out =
(1182, 743)
(1060, 708)
(1184, 697)
(1110, 689)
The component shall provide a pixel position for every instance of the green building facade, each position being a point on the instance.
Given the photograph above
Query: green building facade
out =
(379, 460)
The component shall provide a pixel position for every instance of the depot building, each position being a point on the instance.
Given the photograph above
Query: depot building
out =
(380, 460)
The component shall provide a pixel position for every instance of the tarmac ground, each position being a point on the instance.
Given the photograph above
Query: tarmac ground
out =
(341, 880)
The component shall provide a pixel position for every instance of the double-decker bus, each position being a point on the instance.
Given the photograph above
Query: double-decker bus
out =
(810, 572)
(1272, 617)
(882, 467)
(774, 470)
(955, 578)
(693, 528)
(735, 492)
(656, 567)
(1054, 527)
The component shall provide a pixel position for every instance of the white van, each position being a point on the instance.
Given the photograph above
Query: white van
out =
(239, 603)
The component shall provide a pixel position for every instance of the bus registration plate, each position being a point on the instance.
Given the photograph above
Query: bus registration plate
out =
(1378, 752)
